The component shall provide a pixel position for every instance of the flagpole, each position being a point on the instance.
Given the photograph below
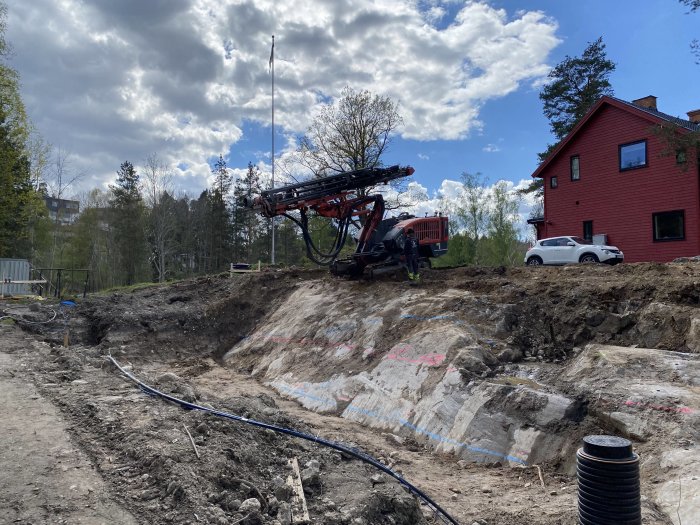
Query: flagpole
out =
(272, 65)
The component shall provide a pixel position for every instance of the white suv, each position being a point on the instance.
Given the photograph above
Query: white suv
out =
(564, 250)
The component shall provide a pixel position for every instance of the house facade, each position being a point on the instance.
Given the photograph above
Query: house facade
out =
(613, 178)
(62, 211)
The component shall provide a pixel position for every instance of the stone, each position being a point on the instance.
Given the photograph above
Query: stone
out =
(377, 479)
(692, 338)
(284, 513)
(272, 505)
(249, 505)
(311, 476)
(282, 491)
(630, 425)
(186, 392)
(595, 318)
(168, 377)
(510, 355)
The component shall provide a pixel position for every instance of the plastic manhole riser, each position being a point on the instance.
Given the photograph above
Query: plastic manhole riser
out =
(608, 482)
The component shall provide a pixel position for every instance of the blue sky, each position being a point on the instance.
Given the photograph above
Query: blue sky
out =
(648, 41)
(187, 79)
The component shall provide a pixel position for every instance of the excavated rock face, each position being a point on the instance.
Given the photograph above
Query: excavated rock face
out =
(455, 368)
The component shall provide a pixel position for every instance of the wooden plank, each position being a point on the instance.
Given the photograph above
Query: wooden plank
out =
(300, 512)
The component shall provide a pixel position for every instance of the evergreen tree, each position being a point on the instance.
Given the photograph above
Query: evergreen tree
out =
(290, 246)
(19, 203)
(220, 216)
(22, 210)
(247, 225)
(200, 238)
(128, 222)
(576, 84)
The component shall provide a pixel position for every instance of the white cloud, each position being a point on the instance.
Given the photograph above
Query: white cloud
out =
(423, 156)
(491, 148)
(448, 199)
(111, 81)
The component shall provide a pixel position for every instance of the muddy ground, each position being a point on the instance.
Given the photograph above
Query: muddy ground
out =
(82, 444)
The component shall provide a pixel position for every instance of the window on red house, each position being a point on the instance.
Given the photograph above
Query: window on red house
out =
(669, 225)
(633, 155)
(680, 156)
(553, 182)
(588, 230)
(575, 172)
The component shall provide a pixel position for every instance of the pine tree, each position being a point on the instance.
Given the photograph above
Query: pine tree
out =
(19, 203)
(128, 222)
(220, 216)
(576, 84)
(246, 223)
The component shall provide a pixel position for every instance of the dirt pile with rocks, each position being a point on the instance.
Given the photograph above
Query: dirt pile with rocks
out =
(477, 368)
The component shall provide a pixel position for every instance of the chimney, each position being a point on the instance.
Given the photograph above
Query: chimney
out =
(694, 116)
(646, 102)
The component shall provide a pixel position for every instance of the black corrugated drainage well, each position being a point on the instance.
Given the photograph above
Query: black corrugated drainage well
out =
(608, 482)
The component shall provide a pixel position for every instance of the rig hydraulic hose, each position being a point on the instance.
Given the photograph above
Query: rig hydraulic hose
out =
(439, 511)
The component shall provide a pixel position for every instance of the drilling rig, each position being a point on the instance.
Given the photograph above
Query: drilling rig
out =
(380, 241)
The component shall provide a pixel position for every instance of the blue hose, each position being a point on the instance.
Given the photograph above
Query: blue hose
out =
(446, 518)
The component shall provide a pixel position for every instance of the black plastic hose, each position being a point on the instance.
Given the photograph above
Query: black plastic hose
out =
(446, 518)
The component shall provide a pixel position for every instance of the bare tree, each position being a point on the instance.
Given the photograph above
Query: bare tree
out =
(60, 179)
(158, 190)
(62, 176)
(351, 134)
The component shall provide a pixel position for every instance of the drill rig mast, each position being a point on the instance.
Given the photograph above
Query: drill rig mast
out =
(380, 242)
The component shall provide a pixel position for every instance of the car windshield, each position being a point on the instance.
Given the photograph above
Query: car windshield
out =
(580, 240)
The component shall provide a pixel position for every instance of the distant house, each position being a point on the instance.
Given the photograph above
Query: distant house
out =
(609, 178)
(62, 211)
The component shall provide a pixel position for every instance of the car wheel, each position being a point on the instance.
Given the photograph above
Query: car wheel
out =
(588, 258)
(535, 260)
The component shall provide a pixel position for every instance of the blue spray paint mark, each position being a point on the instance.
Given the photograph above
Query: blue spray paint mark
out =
(395, 418)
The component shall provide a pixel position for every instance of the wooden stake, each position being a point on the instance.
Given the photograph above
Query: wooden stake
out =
(191, 441)
(300, 513)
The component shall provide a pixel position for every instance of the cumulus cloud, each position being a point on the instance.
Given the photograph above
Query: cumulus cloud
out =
(111, 81)
(491, 148)
(448, 199)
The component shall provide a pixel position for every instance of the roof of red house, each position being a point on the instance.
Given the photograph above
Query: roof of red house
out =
(649, 113)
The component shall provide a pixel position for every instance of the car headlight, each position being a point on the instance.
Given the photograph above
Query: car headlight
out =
(607, 252)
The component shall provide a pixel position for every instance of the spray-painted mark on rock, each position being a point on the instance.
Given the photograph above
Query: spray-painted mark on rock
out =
(663, 408)
(394, 418)
(399, 352)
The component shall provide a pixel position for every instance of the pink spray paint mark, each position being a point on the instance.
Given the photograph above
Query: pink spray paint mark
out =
(425, 359)
(662, 408)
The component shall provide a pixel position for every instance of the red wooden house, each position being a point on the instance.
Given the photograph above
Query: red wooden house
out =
(612, 176)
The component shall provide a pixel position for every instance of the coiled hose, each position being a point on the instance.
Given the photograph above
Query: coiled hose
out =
(439, 511)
